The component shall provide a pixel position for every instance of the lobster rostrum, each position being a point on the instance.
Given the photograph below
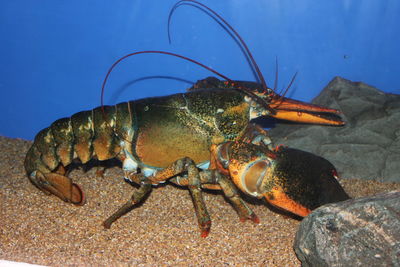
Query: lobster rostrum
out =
(148, 135)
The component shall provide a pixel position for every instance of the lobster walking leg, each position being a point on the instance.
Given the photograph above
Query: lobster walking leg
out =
(194, 185)
(214, 180)
(203, 217)
(136, 198)
(231, 192)
(193, 182)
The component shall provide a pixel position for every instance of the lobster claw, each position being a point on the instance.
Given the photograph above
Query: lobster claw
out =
(298, 111)
(300, 182)
(290, 179)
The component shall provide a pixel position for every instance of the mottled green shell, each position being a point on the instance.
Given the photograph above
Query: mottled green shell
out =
(156, 131)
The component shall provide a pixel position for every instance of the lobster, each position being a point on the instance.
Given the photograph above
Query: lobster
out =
(148, 135)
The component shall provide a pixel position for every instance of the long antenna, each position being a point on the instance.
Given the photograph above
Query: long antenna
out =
(153, 52)
(254, 64)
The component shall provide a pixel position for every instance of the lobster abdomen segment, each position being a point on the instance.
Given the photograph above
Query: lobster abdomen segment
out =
(84, 135)
(105, 141)
(82, 126)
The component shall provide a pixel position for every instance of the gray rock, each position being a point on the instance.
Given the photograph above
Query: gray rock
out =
(367, 147)
(357, 232)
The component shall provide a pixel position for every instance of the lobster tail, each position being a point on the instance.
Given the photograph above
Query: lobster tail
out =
(85, 135)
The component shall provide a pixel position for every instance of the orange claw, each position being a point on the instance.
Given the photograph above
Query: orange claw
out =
(298, 111)
(280, 199)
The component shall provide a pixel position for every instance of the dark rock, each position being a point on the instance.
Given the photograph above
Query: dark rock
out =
(357, 232)
(367, 147)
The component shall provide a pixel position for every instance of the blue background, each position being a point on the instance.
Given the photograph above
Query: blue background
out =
(54, 54)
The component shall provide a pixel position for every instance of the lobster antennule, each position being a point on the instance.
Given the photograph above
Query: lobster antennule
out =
(153, 52)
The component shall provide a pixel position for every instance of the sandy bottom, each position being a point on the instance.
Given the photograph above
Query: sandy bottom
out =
(41, 229)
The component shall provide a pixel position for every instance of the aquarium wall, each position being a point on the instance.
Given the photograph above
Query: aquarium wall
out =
(55, 54)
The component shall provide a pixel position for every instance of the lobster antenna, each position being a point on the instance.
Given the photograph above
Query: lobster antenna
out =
(254, 64)
(153, 52)
(169, 22)
(276, 73)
